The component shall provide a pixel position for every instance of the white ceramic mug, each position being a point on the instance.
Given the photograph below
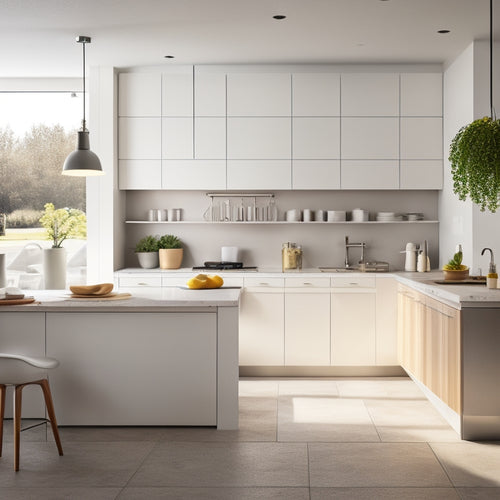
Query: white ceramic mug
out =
(229, 254)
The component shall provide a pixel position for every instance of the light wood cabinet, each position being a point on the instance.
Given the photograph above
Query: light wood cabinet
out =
(386, 321)
(429, 344)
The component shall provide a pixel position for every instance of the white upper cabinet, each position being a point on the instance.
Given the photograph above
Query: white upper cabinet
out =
(259, 94)
(316, 94)
(139, 94)
(370, 174)
(177, 94)
(177, 138)
(316, 138)
(210, 138)
(193, 174)
(370, 138)
(316, 174)
(139, 138)
(210, 94)
(421, 94)
(258, 138)
(370, 94)
(421, 138)
(259, 174)
(139, 174)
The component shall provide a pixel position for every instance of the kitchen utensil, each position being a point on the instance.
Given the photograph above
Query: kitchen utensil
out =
(308, 215)
(174, 214)
(320, 215)
(293, 215)
(411, 257)
(229, 254)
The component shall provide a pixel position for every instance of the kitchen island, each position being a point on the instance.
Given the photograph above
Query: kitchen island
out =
(167, 359)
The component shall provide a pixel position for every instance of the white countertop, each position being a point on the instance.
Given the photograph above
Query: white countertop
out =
(168, 297)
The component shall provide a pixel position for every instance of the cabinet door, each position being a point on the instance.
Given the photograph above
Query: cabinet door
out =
(258, 138)
(452, 347)
(315, 174)
(177, 94)
(24, 333)
(210, 138)
(210, 94)
(259, 94)
(307, 329)
(421, 138)
(193, 174)
(139, 138)
(421, 94)
(259, 174)
(139, 94)
(114, 371)
(262, 328)
(370, 138)
(177, 138)
(421, 174)
(139, 174)
(316, 138)
(386, 322)
(353, 328)
(369, 174)
(316, 94)
(370, 94)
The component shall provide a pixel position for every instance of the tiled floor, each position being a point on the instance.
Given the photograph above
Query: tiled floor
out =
(342, 438)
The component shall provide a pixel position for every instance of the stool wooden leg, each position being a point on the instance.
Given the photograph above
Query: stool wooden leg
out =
(3, 389)
(50, 411)
(17, 423)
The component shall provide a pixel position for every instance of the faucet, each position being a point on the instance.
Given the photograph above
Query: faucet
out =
(353, 245)
(492, 268)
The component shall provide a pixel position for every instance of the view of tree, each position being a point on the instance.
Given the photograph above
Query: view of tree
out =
(30, 170)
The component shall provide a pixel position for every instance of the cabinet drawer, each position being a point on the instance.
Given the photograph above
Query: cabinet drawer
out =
(265, 282)
(139, 281)
(307, 282)
(232, 281)
(353, 282)
(175, 280)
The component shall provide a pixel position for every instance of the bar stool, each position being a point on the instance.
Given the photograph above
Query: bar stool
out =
(19, 371)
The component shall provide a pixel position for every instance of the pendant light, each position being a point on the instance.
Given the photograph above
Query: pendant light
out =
(82, 162)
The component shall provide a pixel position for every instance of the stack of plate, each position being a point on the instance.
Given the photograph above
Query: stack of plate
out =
(336, 215)
(413, 216)
(388, 217)
(359, 215)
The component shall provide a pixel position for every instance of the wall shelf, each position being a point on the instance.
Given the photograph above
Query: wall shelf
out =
(372, 222)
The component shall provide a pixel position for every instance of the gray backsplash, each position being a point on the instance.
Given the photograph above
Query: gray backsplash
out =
(260, 244)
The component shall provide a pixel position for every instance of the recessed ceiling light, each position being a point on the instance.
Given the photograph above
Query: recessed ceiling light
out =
(443, 32)
(168, 57)
(279, 17)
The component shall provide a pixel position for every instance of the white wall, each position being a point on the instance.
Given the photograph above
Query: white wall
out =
(466, 98)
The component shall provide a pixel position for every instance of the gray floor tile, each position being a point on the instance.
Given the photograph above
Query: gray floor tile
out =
(310, 387)
(479, 493)
(224, 464)
(111, 434)
(214, 493)
(470, 464)
(83, 464)
(375, 465)
(384, 494)
(379, 388)
(324, 419)
(59, 493)
(406, 420)
(258, 387)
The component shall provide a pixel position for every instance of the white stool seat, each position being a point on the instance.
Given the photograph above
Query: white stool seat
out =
(20, 371)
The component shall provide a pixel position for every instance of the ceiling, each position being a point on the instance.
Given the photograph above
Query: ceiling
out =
(37, 37)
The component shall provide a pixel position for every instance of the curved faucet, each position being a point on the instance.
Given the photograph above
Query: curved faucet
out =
(492, 259)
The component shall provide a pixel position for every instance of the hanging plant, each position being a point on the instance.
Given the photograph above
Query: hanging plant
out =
(475, 163)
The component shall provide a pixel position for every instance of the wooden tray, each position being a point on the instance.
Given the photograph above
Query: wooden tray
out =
(17, 302)
(109, 296)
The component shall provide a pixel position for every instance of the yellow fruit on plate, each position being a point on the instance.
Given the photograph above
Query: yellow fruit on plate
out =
(201, 281)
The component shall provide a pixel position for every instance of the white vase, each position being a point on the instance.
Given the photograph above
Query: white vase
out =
(54, 268)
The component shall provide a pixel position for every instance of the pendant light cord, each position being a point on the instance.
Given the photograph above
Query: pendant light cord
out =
(83, 121)
(492, 107)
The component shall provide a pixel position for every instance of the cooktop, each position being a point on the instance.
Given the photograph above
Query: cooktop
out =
(224, 266)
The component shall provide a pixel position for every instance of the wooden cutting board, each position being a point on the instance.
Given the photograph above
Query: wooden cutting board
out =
(17, 302)
(109, 296)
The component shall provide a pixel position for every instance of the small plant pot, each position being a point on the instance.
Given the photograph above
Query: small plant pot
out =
(148, 260)
(456, 275)
(171, 258)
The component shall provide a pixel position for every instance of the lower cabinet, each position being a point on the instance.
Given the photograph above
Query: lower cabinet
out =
(429, 344)
(109, 360)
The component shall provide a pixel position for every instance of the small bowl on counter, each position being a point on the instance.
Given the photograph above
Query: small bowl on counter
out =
(455, 274)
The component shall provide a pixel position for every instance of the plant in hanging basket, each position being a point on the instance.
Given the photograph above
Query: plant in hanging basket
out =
(475, 163)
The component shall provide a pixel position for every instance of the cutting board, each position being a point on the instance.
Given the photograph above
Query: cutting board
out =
(17, 302)
(109, 296)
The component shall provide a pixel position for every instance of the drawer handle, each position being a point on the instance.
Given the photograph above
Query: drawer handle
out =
(142, 284)
(353, 283)
(308, 283)
(263, 284)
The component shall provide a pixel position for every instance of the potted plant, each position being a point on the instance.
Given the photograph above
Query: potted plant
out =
(475, 163)
(146, 250)
(455, 270)
(170, 252)
(60, 224)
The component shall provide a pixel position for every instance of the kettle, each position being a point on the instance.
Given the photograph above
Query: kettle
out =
(411, 257)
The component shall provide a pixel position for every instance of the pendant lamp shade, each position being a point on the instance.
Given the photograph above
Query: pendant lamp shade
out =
(82, 162)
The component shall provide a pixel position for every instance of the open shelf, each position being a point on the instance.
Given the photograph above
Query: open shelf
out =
(280, 222)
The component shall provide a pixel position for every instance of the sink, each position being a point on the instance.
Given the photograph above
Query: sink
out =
(337, 269)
